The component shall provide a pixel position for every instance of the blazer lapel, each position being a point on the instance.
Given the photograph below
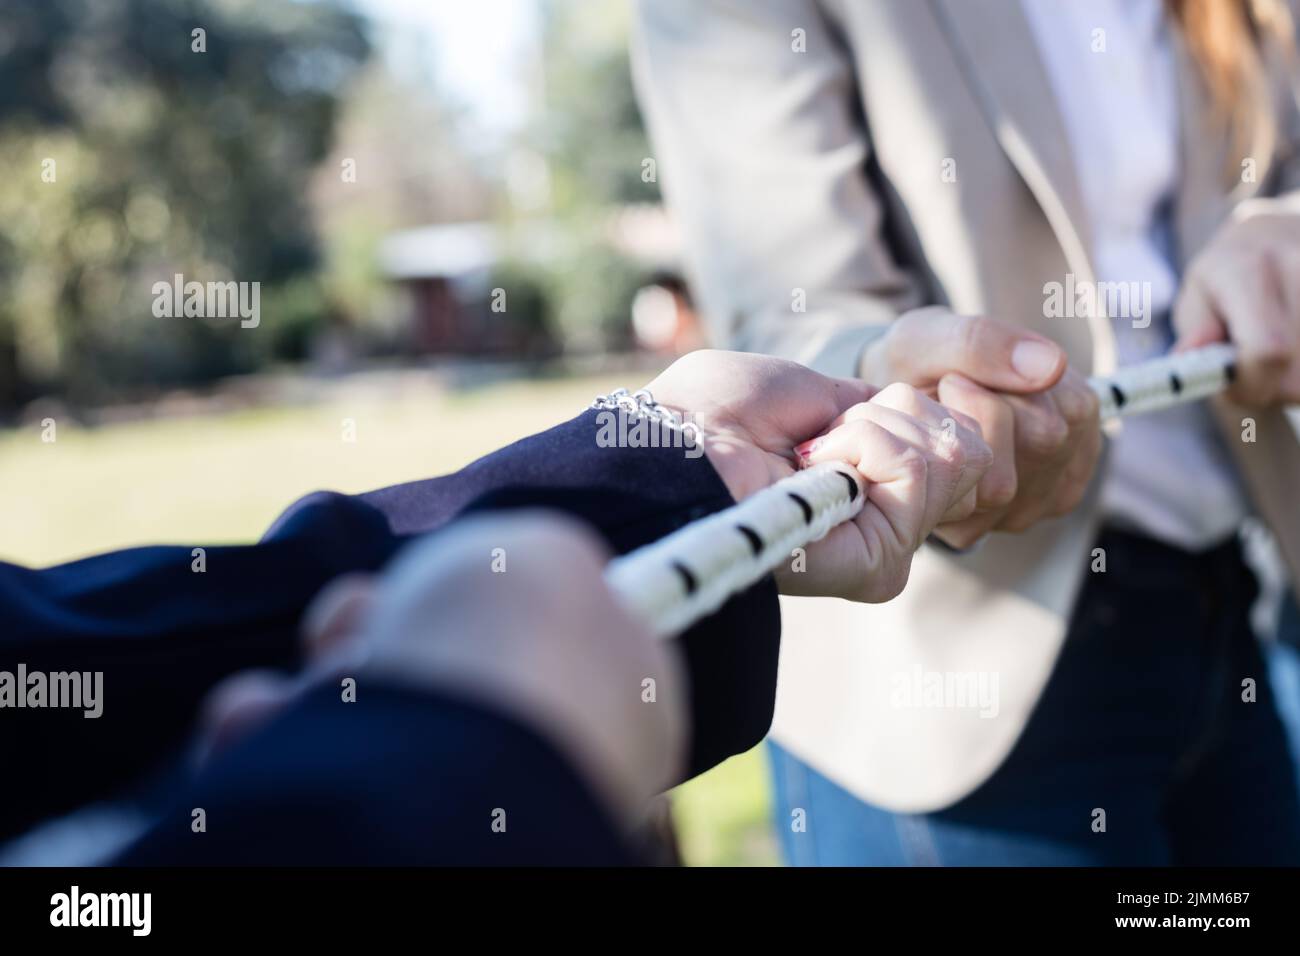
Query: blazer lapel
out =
(994, 46)
(1270, 463)
(996, 49)
(1211, 180)
(1268, 466)
(1202, 200)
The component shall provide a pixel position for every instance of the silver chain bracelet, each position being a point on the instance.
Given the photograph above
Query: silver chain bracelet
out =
(642, 404)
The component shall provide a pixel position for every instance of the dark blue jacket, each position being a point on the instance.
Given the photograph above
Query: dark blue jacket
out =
(392, 782)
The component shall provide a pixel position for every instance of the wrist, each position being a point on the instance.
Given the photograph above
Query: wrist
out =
(719, 441)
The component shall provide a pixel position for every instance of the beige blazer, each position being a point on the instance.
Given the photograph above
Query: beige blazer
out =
(803, 146)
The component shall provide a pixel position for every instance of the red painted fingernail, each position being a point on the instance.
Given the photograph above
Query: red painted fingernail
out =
(805, 449)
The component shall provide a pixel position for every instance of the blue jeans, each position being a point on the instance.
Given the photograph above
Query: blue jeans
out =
(1143, 717)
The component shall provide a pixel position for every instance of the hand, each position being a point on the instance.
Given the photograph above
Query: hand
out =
(1244, 288)
(544, 641)
(1039, 417)
(921, 461)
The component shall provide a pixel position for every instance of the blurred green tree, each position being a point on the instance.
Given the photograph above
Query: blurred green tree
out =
(146, 138)
(409, 168)
(593, 130)
(594, 144)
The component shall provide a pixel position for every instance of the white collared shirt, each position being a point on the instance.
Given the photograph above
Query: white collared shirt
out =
(1112, 71)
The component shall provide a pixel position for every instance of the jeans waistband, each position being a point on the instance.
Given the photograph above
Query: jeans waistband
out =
(1219, 572)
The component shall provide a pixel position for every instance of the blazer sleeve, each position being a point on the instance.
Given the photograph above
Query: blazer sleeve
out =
(164, 624)
(764, 158)
(400, 777)
(1286, 172)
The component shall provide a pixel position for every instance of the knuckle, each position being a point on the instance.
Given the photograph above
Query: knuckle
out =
(1075, 400)
(1057, 434)
(979, 456)
(1000, 490)
(857, 412)
(1047, 434)
(913, 464)
(967, 422)
(862, 430)
(897, 395)
(950, 449)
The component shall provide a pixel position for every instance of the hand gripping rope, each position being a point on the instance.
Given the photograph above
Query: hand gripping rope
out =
(676, 581)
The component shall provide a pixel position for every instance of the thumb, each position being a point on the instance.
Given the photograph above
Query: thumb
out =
(931, 343)
(847, 392)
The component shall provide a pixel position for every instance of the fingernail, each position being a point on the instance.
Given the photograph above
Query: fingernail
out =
(807, 448)
(1034, 360)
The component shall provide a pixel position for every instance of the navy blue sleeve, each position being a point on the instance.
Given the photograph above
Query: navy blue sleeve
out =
(632, 496)
(397, 778)
(162, 633)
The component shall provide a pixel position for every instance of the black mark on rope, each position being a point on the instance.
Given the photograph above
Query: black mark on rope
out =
(807, 508)
(853, 485)
(1118, 395)
(755, 542)
(688, 577)
(1175, 382)
(1230, 372)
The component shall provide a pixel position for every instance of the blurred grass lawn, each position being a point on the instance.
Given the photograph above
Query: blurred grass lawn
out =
(222, 478)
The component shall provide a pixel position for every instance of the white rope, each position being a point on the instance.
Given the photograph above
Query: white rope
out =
(676, 581)
(1164, 382)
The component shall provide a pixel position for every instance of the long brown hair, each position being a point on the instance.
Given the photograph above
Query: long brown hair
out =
(1232, 41)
